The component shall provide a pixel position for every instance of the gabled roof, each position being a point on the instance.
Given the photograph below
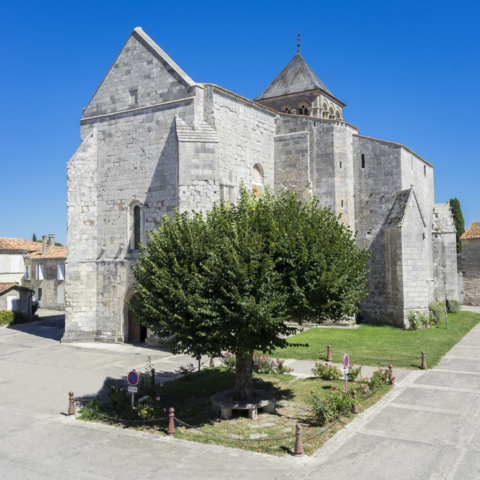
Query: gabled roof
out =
(52, 252)
(19, 244)
(5, 287)
(397, 214)
(296, 77)
(473, 231)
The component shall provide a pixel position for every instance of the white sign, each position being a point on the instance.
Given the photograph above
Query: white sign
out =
(133, 389)
(346, 370)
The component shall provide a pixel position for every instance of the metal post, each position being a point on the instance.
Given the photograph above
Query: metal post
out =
(199, 358)
(345, 374)
(71, 404)
(171, 421)
(133, 401)
(446, 307)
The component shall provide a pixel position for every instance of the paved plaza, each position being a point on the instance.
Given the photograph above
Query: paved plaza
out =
(427, 427)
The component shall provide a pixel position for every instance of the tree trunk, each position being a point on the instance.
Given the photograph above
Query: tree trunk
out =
(243, 376)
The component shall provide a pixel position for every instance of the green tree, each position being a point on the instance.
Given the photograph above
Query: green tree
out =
(459, 221)
(34, 238)
(231, 278)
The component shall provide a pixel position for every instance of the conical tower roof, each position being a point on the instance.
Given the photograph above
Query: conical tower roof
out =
(296, 77)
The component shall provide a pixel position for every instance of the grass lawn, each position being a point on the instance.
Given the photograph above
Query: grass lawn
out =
(191, 400)
(380, 346)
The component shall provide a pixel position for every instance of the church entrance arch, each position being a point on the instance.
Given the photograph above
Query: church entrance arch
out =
(134, 332)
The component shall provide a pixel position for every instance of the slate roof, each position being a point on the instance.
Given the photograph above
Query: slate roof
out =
(296, 77)
(5, 287)
(19, 244)
(52, 252)
(473, 231)
(397, 213)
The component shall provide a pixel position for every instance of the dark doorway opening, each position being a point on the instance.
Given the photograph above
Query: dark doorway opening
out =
(136, 333)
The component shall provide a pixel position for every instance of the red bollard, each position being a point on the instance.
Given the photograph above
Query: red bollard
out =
(71, 404)
(298, 441)
(355, 406)
(329, 355)
(171, 422)
(424, 362)
(212, 363)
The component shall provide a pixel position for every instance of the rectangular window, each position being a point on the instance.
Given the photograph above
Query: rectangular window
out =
(133, 97)
(61, 271)
(363, 160)
(424, 170)
(15, 263)
(28, 272)
(40, 272)
(411, 163)
(342, 203)
(61, 296)
(340, 164)
(39, 294)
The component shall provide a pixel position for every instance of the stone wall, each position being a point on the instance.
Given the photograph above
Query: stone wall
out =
(469, 265)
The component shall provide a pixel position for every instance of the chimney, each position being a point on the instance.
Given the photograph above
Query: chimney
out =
(51, 240)
(44, 245)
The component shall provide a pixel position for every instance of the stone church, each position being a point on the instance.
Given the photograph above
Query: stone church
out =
(154, 140)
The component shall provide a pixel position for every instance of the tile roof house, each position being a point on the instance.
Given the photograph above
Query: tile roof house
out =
(45, 274)
(12, 253)
(469, 264)
(15, 297)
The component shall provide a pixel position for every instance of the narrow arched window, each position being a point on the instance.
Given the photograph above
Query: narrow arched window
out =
(136, 228)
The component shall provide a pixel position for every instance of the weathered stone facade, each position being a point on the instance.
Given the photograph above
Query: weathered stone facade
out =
(154, 140)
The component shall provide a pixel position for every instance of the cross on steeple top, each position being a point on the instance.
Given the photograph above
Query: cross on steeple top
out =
(298, 42)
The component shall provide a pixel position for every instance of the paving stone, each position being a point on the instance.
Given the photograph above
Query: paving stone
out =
(258, 435)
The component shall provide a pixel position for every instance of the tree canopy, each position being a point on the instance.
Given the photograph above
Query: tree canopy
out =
(459, 221)
(230, 279)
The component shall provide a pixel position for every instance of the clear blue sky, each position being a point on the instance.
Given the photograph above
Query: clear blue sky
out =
(407, 70)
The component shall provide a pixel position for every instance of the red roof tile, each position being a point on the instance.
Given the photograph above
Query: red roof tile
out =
(473, 231)
(8, 285)
(52, 252)
(19, 244)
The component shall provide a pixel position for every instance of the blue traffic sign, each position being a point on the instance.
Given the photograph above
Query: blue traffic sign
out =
(133, 378)
(345, 361)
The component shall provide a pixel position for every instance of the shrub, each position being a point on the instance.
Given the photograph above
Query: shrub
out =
(454, 306)
(353, 372)
(378, 378)
(281, 368)
(119, 397)
(186, 370)
(6, 317)
(417, 319)
(437, 312)
(228, 361)
(326, 371)
(150, 409)
(332, 405)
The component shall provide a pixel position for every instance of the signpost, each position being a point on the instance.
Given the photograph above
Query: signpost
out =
(133, 379)
(346, 362)
(447, 304)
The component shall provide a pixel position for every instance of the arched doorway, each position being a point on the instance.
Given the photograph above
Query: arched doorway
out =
(135, 332)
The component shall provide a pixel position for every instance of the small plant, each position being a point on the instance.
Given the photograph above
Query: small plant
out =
(454, 306)
(228, 361)
(119, 397)
(333, 404)
(326, 371)
(417, 319)
(354, 372)
(6, 317)
(281, 368)
(150, 409)
(263, 364)
(380, 376)
(437, 311)
(186, 370)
